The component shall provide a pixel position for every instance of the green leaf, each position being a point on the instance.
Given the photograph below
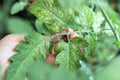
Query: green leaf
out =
(80, 42)
(18, 6)
(51, 47)
(98, 21)
(43, 71)
(118, 43)
(86, 16)
(38, 26)
(33, 48)
(42, 28)
(51, 14)
(18, 25)
(68, 56)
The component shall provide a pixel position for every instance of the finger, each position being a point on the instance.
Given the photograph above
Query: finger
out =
(7, 45)
(73, 35)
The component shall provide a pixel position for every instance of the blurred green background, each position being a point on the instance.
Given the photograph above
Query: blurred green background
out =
(22, 22)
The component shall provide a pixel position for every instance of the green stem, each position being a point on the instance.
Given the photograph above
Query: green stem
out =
(67, 33)
(58, 35)
(110, 24)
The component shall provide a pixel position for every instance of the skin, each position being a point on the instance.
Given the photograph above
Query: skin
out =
(7, 49)
(9, 42)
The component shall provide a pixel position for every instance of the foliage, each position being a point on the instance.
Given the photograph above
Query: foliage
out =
(18, 6)
(41, 71)
(20, 24)
(27, 53)
(70, 54)
(66, 40)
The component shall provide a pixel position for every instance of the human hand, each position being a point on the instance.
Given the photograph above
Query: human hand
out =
(7, 49)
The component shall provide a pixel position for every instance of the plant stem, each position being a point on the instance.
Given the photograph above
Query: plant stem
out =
(67, 33)
(110, 24)
(58, 35)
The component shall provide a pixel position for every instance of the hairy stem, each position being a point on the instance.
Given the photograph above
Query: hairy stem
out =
(110, 24)
(67, 33)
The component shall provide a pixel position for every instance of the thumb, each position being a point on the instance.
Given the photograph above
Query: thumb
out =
(7, 49)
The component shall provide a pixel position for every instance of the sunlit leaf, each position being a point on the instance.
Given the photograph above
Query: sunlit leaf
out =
(27, 52)
(51, 14)
(18, 6)
(69, 55)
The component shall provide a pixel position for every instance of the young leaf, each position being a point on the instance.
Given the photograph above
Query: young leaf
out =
(28, 51)
(86, 16)
(69, 56)
(51, 14)
(42, 28)
(97, 22)
(18, 6)
(80, 42)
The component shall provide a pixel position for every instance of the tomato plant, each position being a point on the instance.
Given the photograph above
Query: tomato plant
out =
(69, 40)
